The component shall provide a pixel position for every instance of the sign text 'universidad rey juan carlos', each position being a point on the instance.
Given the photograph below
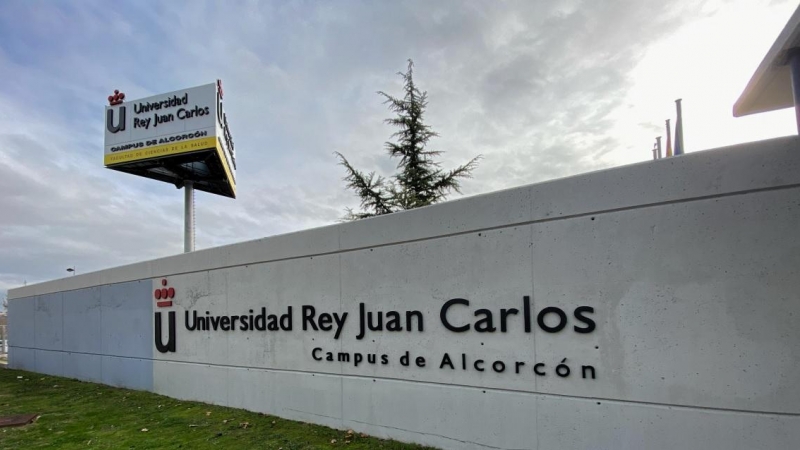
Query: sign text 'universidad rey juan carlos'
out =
(456, 315)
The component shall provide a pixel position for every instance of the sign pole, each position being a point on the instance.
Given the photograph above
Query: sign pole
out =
(188, 217)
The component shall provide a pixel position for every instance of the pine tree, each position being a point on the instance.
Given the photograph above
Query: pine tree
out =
(420, 181)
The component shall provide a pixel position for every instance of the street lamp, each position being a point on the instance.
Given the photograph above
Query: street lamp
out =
(72, 269)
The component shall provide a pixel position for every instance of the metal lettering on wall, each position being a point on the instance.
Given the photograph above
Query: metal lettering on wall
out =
(364, 323)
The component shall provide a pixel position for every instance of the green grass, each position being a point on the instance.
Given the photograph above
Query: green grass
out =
(78, 415)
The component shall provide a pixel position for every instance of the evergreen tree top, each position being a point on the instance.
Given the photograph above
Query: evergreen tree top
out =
(419, 181)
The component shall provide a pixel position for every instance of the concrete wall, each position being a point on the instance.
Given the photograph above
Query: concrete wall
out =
(689, 265)
(102, 334)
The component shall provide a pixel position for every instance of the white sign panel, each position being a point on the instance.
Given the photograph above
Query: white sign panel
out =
(164, 125)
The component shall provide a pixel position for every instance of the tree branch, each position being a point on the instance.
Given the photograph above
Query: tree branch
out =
(368, 187)
(451, 179)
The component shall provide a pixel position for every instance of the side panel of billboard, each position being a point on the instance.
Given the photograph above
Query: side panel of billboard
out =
(225, 145)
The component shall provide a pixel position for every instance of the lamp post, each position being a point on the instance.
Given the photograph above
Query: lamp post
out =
(72, 269)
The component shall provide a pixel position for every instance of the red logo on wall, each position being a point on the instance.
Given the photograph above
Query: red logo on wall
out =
(117, 98)
(163, 295)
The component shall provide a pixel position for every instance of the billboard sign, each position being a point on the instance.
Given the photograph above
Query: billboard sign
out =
(173, 137)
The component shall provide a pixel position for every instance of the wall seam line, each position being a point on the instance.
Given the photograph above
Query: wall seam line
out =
(533, 335)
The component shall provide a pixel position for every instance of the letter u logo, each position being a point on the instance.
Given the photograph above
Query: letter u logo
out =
(170, 347)
(120, 126)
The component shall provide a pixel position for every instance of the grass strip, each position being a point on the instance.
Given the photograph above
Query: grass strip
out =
(81, 415)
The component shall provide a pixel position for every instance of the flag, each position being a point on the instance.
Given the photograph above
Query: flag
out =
(669, 140)
(679, 130)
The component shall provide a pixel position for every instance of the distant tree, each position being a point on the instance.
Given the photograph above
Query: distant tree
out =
(419, 181)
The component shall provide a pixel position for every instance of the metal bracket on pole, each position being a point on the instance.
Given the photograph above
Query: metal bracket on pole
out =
(188, 217)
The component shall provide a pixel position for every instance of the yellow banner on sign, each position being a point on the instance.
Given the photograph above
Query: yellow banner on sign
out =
(160, 150)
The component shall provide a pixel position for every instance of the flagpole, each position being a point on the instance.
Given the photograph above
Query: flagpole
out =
(679, 150)
(669, 140)
(658, 146)
(794, 65)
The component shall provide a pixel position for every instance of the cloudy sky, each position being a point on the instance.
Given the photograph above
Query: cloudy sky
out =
(542, 89)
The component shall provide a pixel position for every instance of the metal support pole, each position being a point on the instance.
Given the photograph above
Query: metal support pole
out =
(794, 65)
(188, 217)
